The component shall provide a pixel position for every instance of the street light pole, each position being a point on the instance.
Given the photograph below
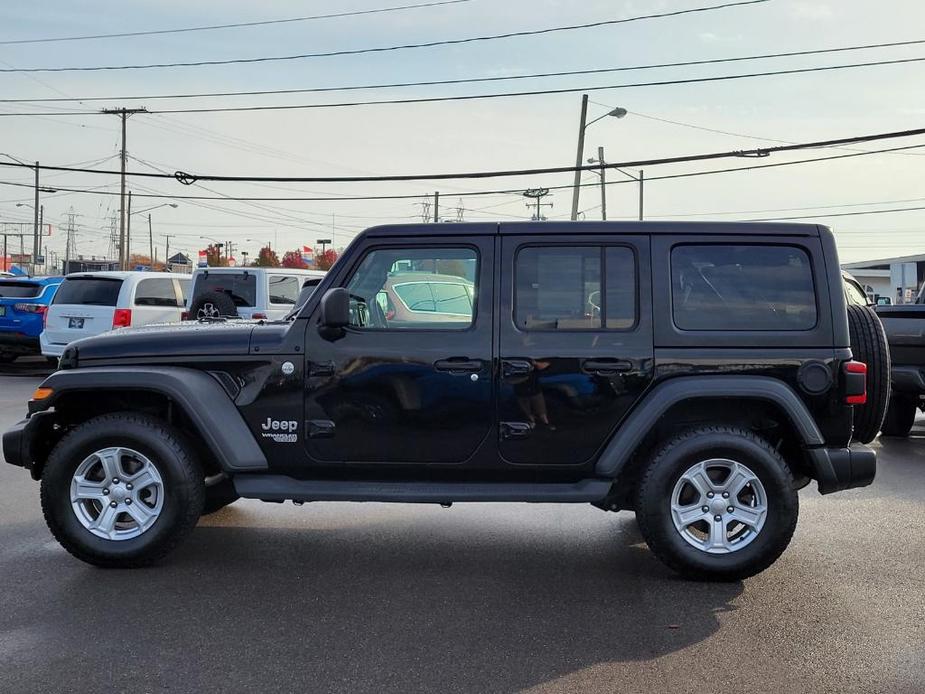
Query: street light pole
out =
(642, 179)
(578, 158)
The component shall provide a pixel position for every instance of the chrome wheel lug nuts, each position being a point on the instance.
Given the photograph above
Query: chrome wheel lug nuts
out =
(717, 518)
(710, 495)
(113, 504)
(106, 492)
(115, 480)
(705, 509)
(128, 501)
(129, 487)
(725, 495)
(729, 509)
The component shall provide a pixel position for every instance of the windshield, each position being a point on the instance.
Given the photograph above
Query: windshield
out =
(90, 291)
(241, 287)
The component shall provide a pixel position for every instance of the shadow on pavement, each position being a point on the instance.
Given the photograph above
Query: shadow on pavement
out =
(423, 604)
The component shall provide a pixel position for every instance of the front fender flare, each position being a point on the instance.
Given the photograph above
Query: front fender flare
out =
(662, 397)
(200, 396)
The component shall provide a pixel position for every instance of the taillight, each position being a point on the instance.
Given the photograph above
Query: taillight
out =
(259, 316)
(184, 315)
(30, 308)
(122, 318)
(855, 383)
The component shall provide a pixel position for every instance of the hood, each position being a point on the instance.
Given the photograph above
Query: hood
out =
(187, 339)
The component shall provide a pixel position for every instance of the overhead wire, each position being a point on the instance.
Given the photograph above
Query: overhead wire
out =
(400, 47)
(235, 25)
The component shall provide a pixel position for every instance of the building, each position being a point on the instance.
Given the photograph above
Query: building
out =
(897, 279)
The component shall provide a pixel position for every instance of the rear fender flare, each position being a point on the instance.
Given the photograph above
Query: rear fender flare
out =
(664, 396)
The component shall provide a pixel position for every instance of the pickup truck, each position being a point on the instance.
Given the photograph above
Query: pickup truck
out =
(905, 332)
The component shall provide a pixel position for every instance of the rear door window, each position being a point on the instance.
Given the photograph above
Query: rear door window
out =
(89, 291)
(241, 287)
(11, 289)
(156, 292)
(283, 289)
(742, 287)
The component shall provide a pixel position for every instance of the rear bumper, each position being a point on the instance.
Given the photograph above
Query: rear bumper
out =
(19, 342)
(838, 469)
(19, 442)
(50, 349)
(908, 379)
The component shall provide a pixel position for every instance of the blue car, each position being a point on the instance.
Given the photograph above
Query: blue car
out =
(23, 303)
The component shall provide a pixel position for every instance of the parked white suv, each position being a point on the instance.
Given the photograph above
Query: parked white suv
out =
(90, 303)
(267, 293)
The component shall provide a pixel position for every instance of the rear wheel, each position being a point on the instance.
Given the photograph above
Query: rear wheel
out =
(717, 503)
(869, 345)
(900, 416)
(121, 490)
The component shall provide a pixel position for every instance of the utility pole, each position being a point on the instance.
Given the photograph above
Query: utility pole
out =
(41, 226)
(128, 233)
(124, 113)
(537, 195)
(436, 206)
(67, 243)
(35, 226)
(600, 158)
(578, 158)
(167, 248)
(151, 241)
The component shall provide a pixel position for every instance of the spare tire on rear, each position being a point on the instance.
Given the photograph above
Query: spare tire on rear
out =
(869, 345)
(212, 305)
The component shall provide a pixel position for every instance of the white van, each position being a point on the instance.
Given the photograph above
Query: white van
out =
(90, 303)
(266, 293)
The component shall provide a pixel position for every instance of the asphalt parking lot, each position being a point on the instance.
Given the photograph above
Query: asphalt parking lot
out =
(477, 598)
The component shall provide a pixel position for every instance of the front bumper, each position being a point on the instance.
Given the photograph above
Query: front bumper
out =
(838, 469)
(21, 441)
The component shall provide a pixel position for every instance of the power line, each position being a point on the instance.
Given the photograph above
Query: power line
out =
(480, 193)
(836, 214)
(384, 49)
(237, 25)
(471, 80)
(188, 178)
(476, 97)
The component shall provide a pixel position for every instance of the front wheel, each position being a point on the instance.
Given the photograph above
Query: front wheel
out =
(122, 490)
(717, 503)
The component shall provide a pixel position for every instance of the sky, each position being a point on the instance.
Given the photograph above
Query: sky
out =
(470, 135)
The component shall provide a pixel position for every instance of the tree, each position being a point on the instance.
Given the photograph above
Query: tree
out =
(214, 257)
(325, 260)
(294, 259)
(267, 258)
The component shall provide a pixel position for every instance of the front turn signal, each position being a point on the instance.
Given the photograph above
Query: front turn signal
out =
(42, 393)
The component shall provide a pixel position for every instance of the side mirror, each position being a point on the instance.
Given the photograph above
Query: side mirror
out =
(335, 308)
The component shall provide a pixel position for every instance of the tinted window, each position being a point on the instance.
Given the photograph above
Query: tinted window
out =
(19, 290)
(155, 292)
(559, 288)
(283, 290)
(854, 294)
(414, 288)
(742, 288)
(91, 291)
(241, 287)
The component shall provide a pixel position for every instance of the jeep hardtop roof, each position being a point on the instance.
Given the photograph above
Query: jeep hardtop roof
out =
(573, 228)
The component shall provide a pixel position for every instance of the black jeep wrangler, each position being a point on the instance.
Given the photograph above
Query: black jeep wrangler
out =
(698, 374)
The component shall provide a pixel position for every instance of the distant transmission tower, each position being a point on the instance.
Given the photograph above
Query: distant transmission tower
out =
(425, 209)
(115, 249)
(69, 245)
(460, 211)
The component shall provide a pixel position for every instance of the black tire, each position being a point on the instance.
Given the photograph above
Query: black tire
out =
(900, 415)
(671, 460)
(7, 357)
(869, 345)
(170, 453)
(212, 305)
(218, 496)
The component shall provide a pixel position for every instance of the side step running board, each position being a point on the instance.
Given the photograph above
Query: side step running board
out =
(283, 488)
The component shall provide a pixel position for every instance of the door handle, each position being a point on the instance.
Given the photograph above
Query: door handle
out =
(515, 430)
(515, 367)
(605, 367)
(459, 365)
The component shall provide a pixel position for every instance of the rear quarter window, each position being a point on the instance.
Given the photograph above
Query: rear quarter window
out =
(742, 288)
(90, 291)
